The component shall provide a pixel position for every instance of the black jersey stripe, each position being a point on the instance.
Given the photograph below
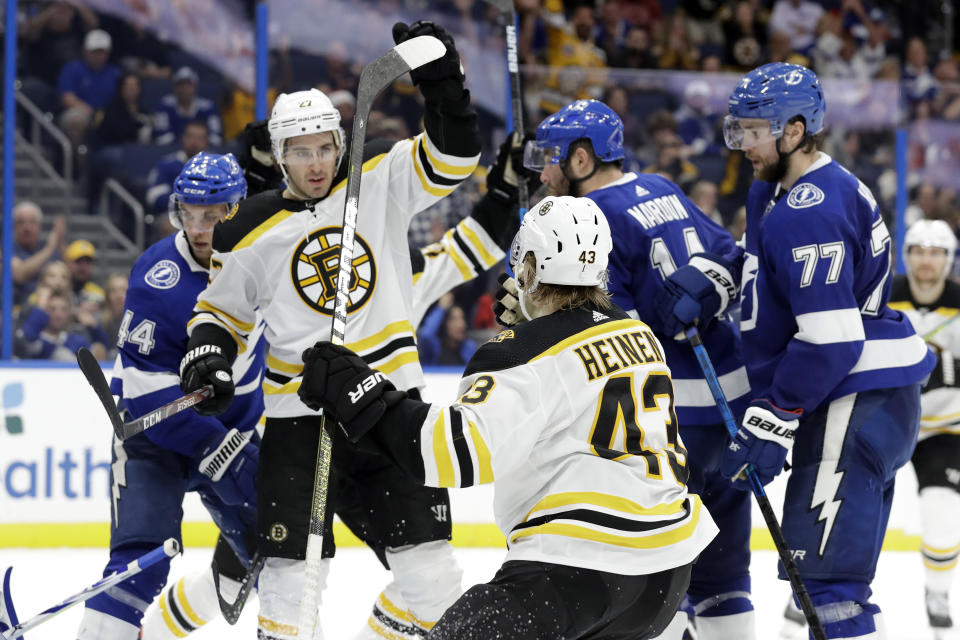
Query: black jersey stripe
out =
(467, 251)
(461, 448)
(431, 174)
(175, 611)
(601, 519)
(388, 349)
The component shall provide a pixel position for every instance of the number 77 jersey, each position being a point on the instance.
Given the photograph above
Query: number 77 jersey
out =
(815, 286)
(572, 417)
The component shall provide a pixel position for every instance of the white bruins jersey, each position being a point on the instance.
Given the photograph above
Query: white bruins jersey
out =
(462, 254)
(937, 323)
(280, 257)
(572, 417)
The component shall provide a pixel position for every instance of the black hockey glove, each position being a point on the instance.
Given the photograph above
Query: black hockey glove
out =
(204, 365)
(256, 158)
(504, 175)
(446, 67)
(507, 306)
(338, 381)
(945, 373)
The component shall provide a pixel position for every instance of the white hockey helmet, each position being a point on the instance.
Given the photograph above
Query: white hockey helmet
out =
(931, 233)
(302, 113)
(570, 239)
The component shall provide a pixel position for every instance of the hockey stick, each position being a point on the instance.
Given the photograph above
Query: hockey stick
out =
(793, 573)
(374, 78)
(123, 430)
(10, 629)
(940, 327)
(231, 610)
(514, 90)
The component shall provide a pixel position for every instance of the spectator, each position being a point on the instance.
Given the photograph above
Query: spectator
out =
(697, 124)
(635, 53)
(838, 53)
(136, 48)
(47, 331)
(182, 107)
(195, 139)
(79, 258)
(442, 338)
(29, 256)
(54, 37)
(55, 276)
(918, 82)
(613, 29)
(704, 194)
(643, 13)
(617, 98)
(678, 51)
(574, 59)
(946, 104)
(87, 85)
(799, 20)
(661, 127)
(923, 205)
(124, 120)
(670, 162)
(346, 104)
(112, 315)
(703, 21)
(739, 225)
(745, 41)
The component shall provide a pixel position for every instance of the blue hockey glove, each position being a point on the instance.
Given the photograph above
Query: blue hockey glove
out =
(231, 465)
(694, 294)
(204, 365)
(338, 381)
(763, 440)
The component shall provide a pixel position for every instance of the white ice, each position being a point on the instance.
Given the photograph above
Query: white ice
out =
(42, 577)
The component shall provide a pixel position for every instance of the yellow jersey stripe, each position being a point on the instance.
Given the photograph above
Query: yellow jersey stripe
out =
(241, 343)
(395, 363)
(367, 166)
(440, 165)
(290, 387)
(168, 619)
(474, 239)
(434, 191)
(607, 327)
(203, 305)
(466, 273)
(483, 455)
(417, 276)
(441, 453)
(382, 631)
(392, 329)
(423, 624)
(615, 503)
(655, 541)
(280, 365)
(904, 305)
(262, 228)
(387, 605)
(185, 605)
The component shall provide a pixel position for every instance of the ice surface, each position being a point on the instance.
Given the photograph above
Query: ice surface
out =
(42, 577)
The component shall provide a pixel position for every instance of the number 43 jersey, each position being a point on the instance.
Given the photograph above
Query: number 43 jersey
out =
(814, 291)
(572, 417)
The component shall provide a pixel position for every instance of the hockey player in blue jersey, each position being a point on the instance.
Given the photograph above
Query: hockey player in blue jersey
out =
(835, 373)
(578, 151)
(151, 472)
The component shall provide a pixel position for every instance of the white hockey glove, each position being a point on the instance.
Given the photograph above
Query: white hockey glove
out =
(507, 306)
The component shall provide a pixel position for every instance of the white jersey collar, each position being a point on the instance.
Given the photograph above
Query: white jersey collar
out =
(184, 249)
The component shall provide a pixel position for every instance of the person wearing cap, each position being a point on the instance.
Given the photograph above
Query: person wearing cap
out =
(30, 255)
(79, 258)
(87, 85)
(194, 139)
(184, 106)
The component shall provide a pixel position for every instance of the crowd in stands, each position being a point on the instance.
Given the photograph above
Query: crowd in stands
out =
(136, 107)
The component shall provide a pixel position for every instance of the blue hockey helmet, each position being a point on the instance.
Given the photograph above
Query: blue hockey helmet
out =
(775, 92)
(207, 179)
(590, 119)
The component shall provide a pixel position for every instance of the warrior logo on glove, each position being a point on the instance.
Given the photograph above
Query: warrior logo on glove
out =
(316, 263)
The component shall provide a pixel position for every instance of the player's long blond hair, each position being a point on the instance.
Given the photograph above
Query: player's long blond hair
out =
(561, 296)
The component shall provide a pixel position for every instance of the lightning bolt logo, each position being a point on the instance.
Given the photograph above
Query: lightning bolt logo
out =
(828, 478)
(118, 471)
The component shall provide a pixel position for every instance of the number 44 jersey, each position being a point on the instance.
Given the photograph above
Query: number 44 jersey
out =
(572, 417)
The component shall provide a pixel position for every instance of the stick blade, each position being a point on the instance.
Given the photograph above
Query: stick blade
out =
(94, 375)
(8, 615)
(418, 51)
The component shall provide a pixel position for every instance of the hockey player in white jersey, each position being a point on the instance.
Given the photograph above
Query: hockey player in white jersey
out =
(279, 255)
(571, 415)
(834, 372)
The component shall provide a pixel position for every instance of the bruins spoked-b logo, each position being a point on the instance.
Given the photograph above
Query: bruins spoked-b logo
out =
(316, 263)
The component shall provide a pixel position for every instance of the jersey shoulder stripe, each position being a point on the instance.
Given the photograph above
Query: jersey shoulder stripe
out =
(373, 152)
(256, 213)
(541, 337)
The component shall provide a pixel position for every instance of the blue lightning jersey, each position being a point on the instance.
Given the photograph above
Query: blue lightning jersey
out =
(814, 291)
(163, 288)
(655, 229)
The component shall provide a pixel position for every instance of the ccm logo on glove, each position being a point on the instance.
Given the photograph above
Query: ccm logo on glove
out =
(365, 385)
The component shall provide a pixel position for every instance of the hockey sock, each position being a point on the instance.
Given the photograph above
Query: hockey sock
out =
(845, 609)
(281, 582)
(185, 606)
(940, 546)
(428, 578)
(389, 618)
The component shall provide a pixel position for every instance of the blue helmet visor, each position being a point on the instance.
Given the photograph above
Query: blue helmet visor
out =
(747, 133)
(201, 217)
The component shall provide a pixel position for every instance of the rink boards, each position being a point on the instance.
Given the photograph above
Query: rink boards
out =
(55, 483)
